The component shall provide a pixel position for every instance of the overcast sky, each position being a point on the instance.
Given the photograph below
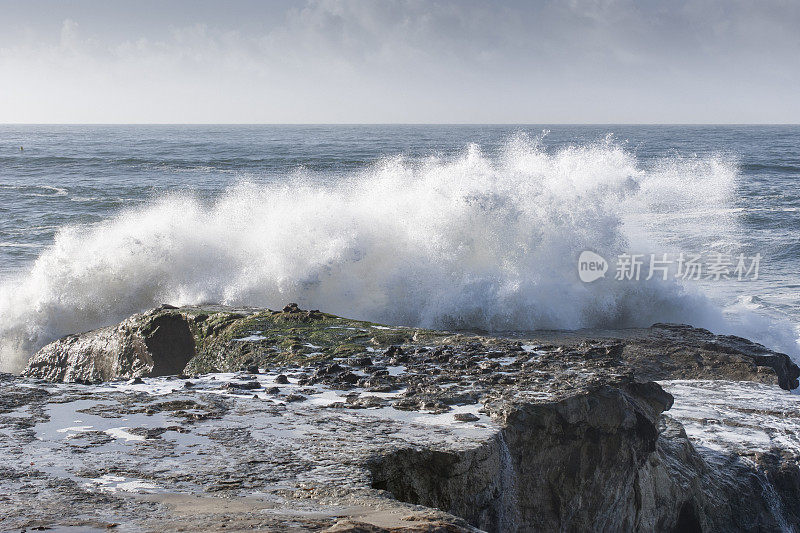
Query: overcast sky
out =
(454, 61)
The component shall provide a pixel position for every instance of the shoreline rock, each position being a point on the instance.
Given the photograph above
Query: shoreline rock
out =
(170, 340)
(356, 426)
(157, 343)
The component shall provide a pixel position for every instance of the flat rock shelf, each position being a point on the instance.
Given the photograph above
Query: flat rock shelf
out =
(220, 419)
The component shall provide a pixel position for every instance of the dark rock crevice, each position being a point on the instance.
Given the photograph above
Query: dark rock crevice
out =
(170, 344)
(688, 520)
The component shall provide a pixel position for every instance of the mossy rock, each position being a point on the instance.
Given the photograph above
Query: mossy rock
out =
(346, 350)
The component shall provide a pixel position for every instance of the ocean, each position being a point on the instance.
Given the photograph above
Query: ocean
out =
(461, 227)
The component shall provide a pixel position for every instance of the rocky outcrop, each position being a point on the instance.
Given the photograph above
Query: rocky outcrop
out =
(171, 340)
(672, 351)
(604, 460)
(566, 465)
(550, 433)
(152, 344)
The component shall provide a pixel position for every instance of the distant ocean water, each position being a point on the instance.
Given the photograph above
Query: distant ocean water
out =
(474, 227)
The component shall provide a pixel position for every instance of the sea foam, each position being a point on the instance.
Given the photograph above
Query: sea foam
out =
(473, 241)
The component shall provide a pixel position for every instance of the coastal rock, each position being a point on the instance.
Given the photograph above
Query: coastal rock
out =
(598, 457)
(192, 340)
(152, 344)
(569, 464)
(409, 429)
(672, 351)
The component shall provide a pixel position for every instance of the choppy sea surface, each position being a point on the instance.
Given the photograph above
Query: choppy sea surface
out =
(471, 227)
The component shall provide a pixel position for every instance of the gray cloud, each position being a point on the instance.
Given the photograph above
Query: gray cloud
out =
(392, 61)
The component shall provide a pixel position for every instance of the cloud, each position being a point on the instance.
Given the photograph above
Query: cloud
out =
(410, 61)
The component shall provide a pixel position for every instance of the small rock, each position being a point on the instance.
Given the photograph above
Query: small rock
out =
(393, 351)
(281, 379)
(381, 387)
(334, 368)
(365, 402)
(361, 361)
(295, 398)
(347, 377)
(466, 417)
(244, 385)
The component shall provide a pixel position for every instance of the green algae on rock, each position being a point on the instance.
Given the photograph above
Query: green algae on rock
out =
(211, 338)
(214, 338)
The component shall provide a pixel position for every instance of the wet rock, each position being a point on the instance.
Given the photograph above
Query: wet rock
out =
(575, 433)
(379, 386)
(243, 385)
(291, 308)
(294, 398)
(362, 362)
(451, 397)
(334, 368)
(365, 402)
(671, 351)
(153, 344)
(347, 377)
(393, 351)
(226, 339)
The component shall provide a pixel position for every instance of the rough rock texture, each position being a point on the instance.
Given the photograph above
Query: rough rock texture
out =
(354, 426)
(158, 343)
(565, 465)
(171, 340)
(748, 436)
(602, 461)
(158, 456)
(671, 351)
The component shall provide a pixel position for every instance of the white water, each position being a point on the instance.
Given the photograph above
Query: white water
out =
(470, 242)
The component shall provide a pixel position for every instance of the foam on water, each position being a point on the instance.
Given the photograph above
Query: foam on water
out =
(466, 242)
